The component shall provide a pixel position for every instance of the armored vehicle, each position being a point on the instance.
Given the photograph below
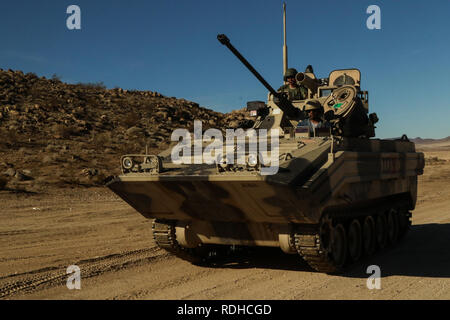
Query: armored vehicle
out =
(331, 194)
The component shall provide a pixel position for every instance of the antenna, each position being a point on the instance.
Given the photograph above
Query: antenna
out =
(285, 56)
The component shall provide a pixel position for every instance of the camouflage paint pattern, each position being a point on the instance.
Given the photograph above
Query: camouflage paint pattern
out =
(245, 208)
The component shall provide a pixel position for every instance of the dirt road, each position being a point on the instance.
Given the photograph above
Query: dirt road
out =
(41, 235)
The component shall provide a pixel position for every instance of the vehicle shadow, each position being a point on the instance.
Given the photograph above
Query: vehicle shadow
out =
(423, 252)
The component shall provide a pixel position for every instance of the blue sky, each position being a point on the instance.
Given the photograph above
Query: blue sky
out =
(170, 46)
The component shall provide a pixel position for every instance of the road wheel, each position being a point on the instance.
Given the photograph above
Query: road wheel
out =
(392, 226)
(326, 228)
(339, 246)
(403, 223)
(164, 236)
(354, 240)
(381, 231)
(369, 235)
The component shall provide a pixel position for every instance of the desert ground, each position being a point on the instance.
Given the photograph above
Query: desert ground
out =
(42, 234)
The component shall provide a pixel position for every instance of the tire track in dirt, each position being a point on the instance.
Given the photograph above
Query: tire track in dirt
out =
(56, 275)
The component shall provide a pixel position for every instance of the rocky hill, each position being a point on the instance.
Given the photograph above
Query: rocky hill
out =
(419, 140)
(58, 134)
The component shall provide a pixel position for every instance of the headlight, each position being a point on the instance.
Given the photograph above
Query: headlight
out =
(252, 160)
(223, 162)
(152, 163)
(127, 163)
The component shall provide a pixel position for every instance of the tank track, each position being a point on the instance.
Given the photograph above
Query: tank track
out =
(309, 248)
(165, 237)
(307, 239)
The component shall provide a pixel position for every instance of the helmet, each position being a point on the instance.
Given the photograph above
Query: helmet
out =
(291, 72)
(309, 69)
(312, 105)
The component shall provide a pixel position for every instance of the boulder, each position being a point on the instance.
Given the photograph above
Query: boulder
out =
(134, 131)
(10, 172)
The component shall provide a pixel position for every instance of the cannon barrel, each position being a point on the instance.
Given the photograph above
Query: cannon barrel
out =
(282, 103)
(308, 82)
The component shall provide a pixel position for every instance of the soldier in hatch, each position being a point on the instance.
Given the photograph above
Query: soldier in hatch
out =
(314, 111)
(292, 89)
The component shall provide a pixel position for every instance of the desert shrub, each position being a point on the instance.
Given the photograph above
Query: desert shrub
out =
(31, 75)
(101, 139)
(55, 77)
(434, 160)
(62, 131)
(99, 179)
(131, 119)
(9, 136)
(93, 85)
(3, 183)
